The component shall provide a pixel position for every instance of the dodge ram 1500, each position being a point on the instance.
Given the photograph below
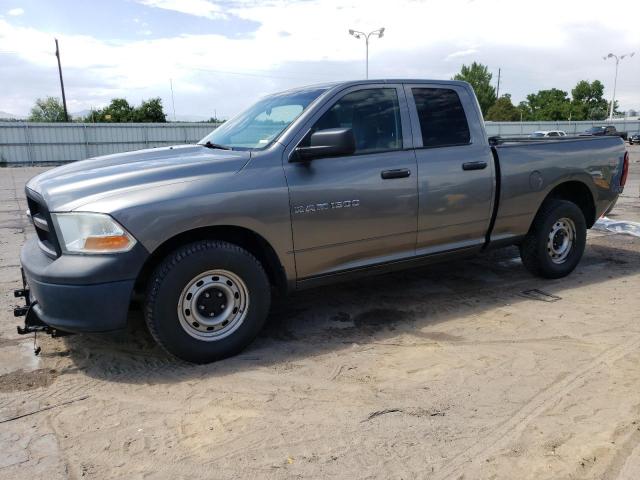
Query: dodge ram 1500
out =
(307, 186)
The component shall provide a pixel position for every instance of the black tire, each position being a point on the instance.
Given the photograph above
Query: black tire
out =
(172, 277)
(535, 252)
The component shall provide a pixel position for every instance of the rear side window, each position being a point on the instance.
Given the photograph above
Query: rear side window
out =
(374, 116)
(442, 119)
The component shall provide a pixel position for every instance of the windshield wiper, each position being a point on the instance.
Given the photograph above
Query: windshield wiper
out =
(208, 144)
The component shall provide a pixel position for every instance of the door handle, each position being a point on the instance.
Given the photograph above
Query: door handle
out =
(397, 173)
(474, 165)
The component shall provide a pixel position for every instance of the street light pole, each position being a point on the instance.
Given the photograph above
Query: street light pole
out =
(615, 78)
(378, 33)
(366, 55)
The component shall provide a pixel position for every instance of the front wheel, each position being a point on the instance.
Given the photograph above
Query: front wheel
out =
(556, 240)
(207, 301)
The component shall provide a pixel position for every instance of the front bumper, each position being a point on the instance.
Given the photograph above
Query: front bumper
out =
(81, 293)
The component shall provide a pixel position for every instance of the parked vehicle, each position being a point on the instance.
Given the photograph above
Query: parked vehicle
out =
(635, 138)
(609, 130)
(548, 133)
(306, 187)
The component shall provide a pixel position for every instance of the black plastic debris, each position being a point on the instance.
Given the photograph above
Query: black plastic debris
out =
(535, 294)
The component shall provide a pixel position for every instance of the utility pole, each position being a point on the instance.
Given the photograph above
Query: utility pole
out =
(64, 98)
(498, 89)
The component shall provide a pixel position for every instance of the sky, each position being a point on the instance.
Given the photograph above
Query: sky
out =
(221, 56)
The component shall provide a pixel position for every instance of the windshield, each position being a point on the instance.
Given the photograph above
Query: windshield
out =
(537, 134)
(595, 129)
(261, 124)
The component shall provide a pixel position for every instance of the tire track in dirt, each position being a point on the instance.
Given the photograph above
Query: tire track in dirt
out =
(131, 368)
(512, 428)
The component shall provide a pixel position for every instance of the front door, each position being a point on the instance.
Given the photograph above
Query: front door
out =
(352, 211)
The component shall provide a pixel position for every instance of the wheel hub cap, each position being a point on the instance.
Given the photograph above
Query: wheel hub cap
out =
(561, 239)
(213, 305)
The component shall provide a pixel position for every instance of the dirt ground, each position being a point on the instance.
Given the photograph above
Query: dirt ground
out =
(449, 371)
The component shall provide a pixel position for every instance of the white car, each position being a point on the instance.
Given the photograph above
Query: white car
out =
(548, 133)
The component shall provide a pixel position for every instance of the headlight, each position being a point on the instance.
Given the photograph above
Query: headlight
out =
(91, 233)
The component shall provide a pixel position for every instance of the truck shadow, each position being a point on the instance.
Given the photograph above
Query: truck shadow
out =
(384, 309)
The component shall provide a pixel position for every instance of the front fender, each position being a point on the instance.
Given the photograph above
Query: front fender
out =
(256, 198)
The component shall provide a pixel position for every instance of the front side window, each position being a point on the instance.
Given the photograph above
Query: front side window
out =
(373, 115)
(257, 127)
(442, 119)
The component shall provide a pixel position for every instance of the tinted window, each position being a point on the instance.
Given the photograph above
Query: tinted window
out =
(442, 119)
(373, 115)
(553, 134)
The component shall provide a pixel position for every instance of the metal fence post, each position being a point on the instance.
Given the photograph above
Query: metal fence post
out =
(27, 137)
(86, 141)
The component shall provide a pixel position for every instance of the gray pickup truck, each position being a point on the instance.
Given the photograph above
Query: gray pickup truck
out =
(308, 186)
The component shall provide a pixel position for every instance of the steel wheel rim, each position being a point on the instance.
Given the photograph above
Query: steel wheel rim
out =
(213, 305)
(561, 240)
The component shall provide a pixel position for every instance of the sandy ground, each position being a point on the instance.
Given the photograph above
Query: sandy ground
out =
(445, 372)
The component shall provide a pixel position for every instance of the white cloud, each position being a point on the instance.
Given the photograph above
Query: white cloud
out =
(461, 53)
(201, 8)
(15, 12)
(422, 40)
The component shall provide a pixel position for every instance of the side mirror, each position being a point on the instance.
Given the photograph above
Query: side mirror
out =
(332, 142)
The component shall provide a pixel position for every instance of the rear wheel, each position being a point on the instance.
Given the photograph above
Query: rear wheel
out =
(556, 241)
(207, 300)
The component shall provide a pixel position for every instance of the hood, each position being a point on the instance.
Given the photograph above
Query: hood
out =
(70, 186)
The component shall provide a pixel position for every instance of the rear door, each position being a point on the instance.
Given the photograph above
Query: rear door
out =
(455, 168)
(353, 211)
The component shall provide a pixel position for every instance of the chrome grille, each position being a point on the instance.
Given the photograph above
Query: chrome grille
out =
(41, 220)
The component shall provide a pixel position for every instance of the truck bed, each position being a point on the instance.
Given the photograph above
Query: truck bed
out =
(528, 169)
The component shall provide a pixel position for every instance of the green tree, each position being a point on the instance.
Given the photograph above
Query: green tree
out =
(553, 104)
(587, 101)
(480, 79)
(48, 109)
(93, 117)
(119, 111)
(503, 110)
(525, 112)
(150, 111)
